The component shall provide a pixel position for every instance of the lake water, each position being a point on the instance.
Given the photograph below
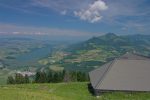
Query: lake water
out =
(34, 54)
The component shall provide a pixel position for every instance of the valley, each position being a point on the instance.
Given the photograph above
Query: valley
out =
(74, 49)
(22, 54)
(31, 54)
(90, 54)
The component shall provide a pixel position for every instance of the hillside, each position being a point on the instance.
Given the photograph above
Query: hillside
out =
(33, 54)
(96, 51)
(61, 91)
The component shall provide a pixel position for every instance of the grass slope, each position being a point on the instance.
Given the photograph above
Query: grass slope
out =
(61, 91)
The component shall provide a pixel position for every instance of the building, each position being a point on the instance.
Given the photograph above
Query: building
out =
(26, 73)
(130, 72)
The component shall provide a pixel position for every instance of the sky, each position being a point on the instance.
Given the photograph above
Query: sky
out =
(74, 18)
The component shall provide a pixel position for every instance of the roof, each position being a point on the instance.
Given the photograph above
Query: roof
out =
(132, 56)
(130, 72)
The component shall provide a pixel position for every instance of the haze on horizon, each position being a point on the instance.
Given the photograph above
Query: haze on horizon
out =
(74, 18)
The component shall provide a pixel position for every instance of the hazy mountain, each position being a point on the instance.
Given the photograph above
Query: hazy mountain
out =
(99, 50)
(111, 41)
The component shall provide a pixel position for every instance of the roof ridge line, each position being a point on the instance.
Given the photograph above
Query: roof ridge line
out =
(136, 54)
(110, 66)
(142, 56)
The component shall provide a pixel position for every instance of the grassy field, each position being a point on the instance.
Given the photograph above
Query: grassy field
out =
(61, 91)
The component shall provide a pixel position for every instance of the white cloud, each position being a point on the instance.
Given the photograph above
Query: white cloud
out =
(59, 5)
(16, 33)
(93, 12)
(64, 12)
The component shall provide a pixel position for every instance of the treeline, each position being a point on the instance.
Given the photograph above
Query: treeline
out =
(18, 79)
(50, 77)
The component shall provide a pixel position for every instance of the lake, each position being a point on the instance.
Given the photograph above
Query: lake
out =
(34, 55)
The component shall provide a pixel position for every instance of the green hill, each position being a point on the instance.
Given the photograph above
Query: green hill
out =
(61, 91)
(96, 51)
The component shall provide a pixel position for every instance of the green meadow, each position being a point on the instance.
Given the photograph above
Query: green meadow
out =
(62, 91)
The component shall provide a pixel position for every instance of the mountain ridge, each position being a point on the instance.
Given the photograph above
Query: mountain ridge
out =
(96, 51)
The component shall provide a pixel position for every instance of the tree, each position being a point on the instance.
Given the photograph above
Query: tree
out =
(19, 79)
(26, 79)
(81, 76)
(67, 77)
(50, 76)
(37, 76)
(55, 77)
(73, 76)
(10, 80)
(40, 77)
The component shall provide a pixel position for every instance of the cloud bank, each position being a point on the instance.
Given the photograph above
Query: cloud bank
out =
(93, 12)
(30, 30)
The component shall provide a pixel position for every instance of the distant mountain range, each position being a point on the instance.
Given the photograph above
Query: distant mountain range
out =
(99, 50)
(113, 42)
(83, 56)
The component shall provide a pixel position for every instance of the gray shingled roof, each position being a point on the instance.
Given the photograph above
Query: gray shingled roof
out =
(128, 73)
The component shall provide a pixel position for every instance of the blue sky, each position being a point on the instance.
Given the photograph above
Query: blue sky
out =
(75, 18)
